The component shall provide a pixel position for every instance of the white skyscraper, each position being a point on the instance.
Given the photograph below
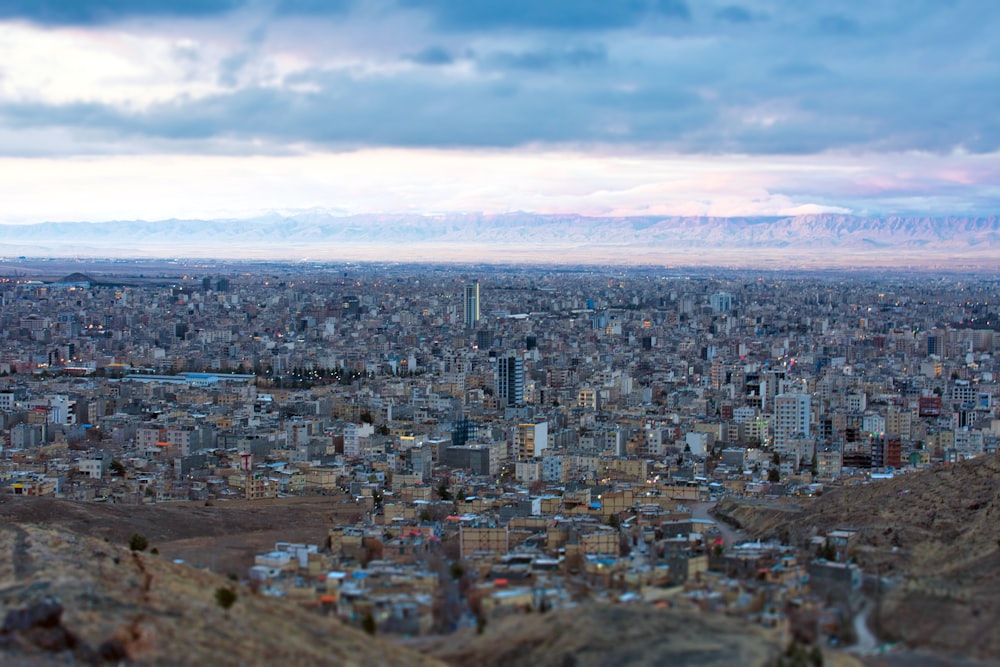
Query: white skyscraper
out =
(791, 419)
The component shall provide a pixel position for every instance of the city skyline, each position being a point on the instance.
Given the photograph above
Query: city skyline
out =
(229, 109)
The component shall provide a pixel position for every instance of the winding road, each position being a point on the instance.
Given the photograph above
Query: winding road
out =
(730, 535)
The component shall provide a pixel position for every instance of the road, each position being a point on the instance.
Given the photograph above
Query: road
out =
(866, 643)
(730, 535)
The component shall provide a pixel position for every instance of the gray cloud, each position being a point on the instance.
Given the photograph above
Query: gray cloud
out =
(907, 76)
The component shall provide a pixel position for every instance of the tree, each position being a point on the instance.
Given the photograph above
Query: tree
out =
(773, 476)
(116, 468)
(137, 542)
(368, 624)
(225, 597)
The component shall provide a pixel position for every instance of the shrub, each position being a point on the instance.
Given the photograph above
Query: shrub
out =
(137, 542)
(225, 597)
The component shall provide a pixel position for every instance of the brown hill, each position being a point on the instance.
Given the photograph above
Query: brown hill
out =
(224, 534)
(122, 605)
(934, 534)
(596, 635)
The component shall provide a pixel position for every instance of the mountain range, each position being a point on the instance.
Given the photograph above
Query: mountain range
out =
(802, 241)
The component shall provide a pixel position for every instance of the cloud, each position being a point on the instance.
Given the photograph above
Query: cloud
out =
(233, 65)
(837, 25)
(93, 12)
(713, 78)
(604, 182)
(548, 59)
(432, 55)
(315, 7)
(801, 69)
(735, 14)
(796, 107)
(548, 14)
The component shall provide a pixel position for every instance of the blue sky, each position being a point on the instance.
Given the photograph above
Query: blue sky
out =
(119, 109)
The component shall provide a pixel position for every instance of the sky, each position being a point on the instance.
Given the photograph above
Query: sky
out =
(141, 109)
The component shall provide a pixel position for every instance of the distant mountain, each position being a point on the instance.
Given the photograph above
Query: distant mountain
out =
(523, 237)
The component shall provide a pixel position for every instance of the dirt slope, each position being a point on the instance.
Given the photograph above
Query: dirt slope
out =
(223, 536)
(613, 635)
(154, 612)
(935, 533)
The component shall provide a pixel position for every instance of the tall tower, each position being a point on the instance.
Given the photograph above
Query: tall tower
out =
(471, 304)
(510, 380)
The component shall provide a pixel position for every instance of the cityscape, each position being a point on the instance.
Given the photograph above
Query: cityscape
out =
(502, 441)
(499, 333)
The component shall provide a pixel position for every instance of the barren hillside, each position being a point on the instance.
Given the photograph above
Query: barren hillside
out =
(934, 533)
(224, 536)
(612, 635)
(123, 605)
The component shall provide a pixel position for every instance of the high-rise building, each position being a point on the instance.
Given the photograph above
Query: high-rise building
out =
(510, 380)
(791, 419)
(721, 302)
(935, 344)
(484, 339)
(471, 304)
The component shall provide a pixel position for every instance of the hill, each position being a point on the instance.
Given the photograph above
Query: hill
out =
(77, 277)
(613, 635)
(225, 535)
(933, 535)
(72, 599)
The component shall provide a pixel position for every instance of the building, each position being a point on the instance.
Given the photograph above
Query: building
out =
(471, 304)
(791, 419)
(475, 458)
(531, 439)
(484, 339)
(721, 302)
(510, 380)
